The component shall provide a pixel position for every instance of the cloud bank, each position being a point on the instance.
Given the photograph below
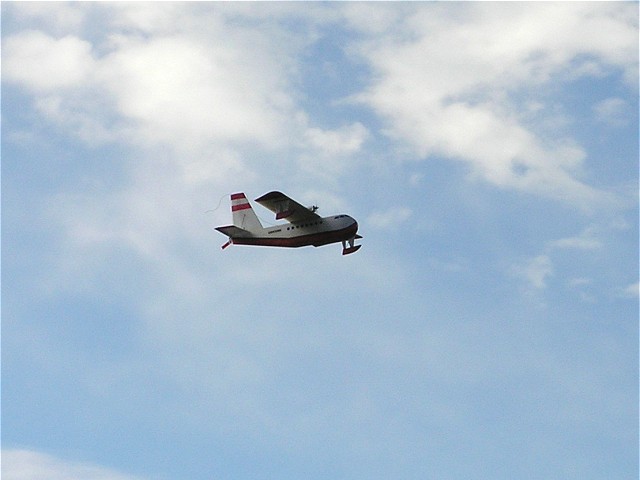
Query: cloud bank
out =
(455, 86)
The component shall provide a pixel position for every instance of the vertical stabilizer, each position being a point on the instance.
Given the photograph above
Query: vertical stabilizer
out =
(243, 215)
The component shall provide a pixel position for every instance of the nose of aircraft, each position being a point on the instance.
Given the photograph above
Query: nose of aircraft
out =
(354, 224)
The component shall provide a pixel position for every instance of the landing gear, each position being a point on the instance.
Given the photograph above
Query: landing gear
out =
(352, 247)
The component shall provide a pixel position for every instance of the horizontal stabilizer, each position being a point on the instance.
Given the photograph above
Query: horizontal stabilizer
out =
(233, 231)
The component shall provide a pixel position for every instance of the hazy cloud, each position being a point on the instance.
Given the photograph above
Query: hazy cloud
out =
(586, 240)
(348, 139)
(632, 291)
(536, 271)
(613, 111)
(394, 216)
(31, 465)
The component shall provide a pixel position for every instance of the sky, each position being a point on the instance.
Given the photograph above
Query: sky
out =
(488, 326)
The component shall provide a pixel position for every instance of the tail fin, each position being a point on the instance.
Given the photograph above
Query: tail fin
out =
(243, 215)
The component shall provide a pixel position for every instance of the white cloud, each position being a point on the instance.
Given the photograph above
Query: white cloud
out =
(394, 216)
(18, 464)
(375, 18)
(164, 17)
(632, 291)
(586, 240)
(62, 18)
(580, 281)
(185, 84)
(178, 91)
(191, 83)
(612, 111)
(345, 140)
(536, 271)
(416, 179)
(443, 83)
(43, 63)
(328, 153)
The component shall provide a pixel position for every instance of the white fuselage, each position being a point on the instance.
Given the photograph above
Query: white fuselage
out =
(318, 232)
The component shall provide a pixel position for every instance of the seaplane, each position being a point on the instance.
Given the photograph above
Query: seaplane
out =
(305, 227)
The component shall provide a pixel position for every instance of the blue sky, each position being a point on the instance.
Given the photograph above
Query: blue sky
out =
(488, 328)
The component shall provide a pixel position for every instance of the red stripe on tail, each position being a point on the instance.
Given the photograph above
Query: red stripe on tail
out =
(244, 206)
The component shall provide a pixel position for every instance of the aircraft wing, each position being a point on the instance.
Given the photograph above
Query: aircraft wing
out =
(287, 208)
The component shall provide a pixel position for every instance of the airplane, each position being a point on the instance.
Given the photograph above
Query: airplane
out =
(305, 226)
